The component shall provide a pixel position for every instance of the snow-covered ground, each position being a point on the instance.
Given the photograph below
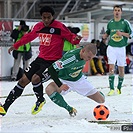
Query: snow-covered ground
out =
(53, 119)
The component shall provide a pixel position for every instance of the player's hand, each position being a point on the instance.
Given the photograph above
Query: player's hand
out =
(119, 33)
(64, 87)
(11, 49)
(78, 37)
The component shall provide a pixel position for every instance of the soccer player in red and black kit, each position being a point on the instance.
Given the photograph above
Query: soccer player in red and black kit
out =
(52, 34)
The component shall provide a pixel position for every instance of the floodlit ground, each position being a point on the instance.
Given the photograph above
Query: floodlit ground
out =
(53, 119)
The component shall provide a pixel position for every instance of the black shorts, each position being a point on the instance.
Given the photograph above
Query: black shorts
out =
(38, 66)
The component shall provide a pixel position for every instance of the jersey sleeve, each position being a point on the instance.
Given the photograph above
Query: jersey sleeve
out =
(131, 35)
(28, 37)
(129, 29)
(68, 35)
(108, 30)
(54, 75)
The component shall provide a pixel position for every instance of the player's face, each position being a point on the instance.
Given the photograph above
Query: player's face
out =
(117, 12)
(47, 18)
(86, 55)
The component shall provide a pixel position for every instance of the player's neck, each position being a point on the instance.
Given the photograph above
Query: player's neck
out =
(117, 19)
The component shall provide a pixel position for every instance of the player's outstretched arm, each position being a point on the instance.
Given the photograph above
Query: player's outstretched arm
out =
(11, 49)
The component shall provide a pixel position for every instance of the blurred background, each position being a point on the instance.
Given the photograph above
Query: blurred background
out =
(65, 9)
(90, 16)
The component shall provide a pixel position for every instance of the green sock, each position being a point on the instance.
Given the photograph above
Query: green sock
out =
(59, 100)
(111, 81)
(102, 94)
(120, 81)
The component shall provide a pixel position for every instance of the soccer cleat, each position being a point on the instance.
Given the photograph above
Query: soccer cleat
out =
(37, 107)
(118, 91)
(111, 92)
(73, 112)
(2, 110)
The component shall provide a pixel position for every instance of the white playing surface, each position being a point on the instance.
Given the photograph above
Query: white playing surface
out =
(54, 119)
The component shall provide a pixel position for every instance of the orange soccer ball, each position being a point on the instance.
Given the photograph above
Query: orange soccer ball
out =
(101, 112)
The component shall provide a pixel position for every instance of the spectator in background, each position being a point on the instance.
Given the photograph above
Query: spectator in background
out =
(129, 49)
(100, 56)
(128, 61)
(103, 50)
(22, 53)
(67, 45)
(129, 57)
(96, 65)
(103, 47)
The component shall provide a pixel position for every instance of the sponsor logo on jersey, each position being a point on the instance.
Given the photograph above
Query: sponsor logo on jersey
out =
(52, 30)
(116, 38)
(75, 74)
(59, 64)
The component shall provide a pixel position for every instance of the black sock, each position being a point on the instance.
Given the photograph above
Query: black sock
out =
(13, 95)
(38, 90)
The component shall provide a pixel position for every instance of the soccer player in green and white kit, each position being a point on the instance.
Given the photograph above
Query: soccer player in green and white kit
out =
(118, 30)
(67, 76)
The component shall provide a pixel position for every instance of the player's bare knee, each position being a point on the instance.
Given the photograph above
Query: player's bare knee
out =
(111, 72)
(102, 100)
(35, 79)
(24, 81)
(47, 90)
(50, 89)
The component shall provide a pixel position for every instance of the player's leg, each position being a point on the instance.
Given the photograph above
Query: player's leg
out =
(85, 88)
(111, 80)
(120, 79)
(53, 91)
(121, 62)
(18, 89)
(14, 94)
(93, 67)
(37, 80)
(100, 65)
(97, 97)
(112, 55)
(38, 90)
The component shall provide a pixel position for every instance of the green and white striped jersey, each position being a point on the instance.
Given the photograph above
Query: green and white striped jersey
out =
(124, 26)
(70, 66)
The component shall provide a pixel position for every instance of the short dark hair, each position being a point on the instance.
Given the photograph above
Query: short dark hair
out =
(93, 41)
(118, 6)
(47, 9)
